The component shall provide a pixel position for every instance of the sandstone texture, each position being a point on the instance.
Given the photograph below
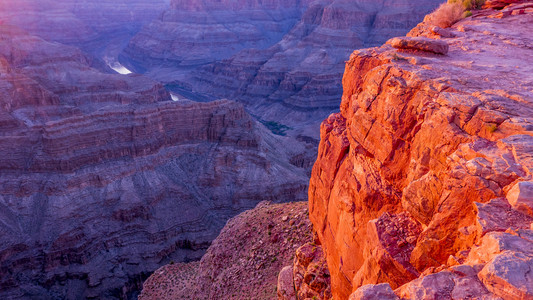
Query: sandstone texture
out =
(420, 44)
(282, 59)
(311, 278)
(244, 260)
(423, 180)
(104, 178)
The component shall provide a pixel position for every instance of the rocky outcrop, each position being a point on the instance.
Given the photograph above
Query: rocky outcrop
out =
(310, 274)
(104, 178)
(244, 260)
(282, 59)
(419, 44)
(381, 291)
(422, 180)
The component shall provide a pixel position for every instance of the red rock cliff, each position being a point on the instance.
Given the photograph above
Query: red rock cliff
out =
(431, 155)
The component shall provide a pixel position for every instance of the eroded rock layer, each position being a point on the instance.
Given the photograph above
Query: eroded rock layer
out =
(101, 29)
(72, 21)
(283, 59)
(104, 178)
(429, 162)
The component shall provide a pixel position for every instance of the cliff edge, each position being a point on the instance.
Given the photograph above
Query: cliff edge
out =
(424, 179)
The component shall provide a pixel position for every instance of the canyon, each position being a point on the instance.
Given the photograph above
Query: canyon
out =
(282, 59)
(423, 188)
(105, 178)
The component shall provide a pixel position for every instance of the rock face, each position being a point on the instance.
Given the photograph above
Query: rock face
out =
(244, 260)
(310, 273)
(283, 59)
(104, 178)
(427, 169)
(199, 32)
(381, 291)
(70, 21)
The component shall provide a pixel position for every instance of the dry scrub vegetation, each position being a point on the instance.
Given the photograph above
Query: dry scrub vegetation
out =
(452, 11)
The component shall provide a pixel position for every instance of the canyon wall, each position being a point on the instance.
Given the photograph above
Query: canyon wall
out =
(282, 59)
(69, 21)
(101, 29)
(198, 32)
(104, 178)
(426, 172)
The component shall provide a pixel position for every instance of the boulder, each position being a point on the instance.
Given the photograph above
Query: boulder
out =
(381, 291)
(420, 44)
(509, 275)
(311, 274)
(520, 196)
(434, 286)
(286, 284)
(494, 243)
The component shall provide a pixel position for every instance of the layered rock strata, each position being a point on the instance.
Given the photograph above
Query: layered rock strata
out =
(283, 59)
(75, 22)
(428, 166)
(199, 32)
(101, 29)
(104, 178)
(243, 261)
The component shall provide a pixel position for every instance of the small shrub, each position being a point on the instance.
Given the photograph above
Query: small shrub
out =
(397, 57)
(276, 128)
(491, 127)
(467, 14)
(446, 15)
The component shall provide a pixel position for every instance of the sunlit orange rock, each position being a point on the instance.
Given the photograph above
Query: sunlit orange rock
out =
(447, 140)
(310, 273)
